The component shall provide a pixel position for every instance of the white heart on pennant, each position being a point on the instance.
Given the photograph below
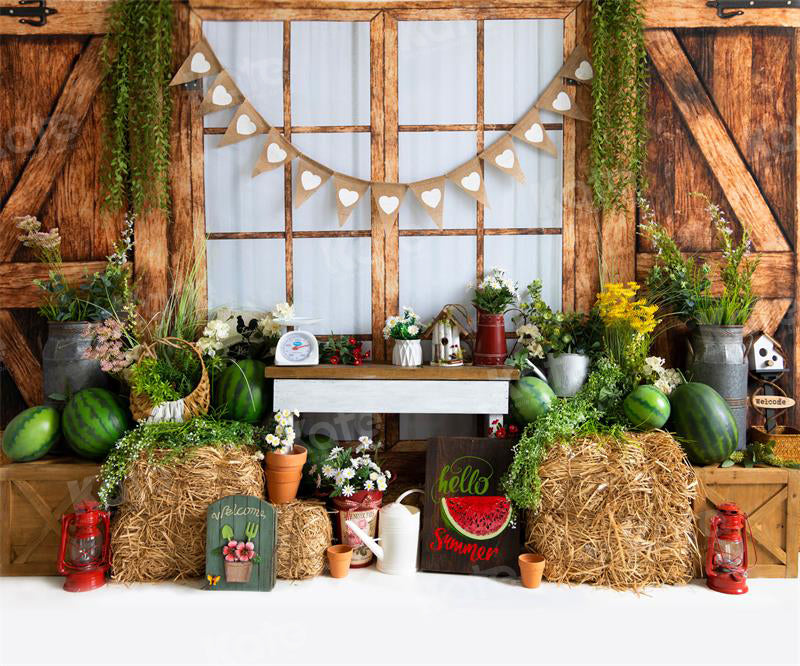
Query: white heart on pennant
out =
(471, 182)
(347, 197)
(562, 102)
(535, 133)
(199, 64)
(431, 198)
(388, 204)
(584, 71)
(245, 126)
(276, 154)
(505, 159)
(220, 96)
(309, 180)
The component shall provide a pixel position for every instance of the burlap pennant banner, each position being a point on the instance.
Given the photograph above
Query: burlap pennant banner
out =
(200, 63)
(578, 66)
(388, 197)
(349, 191)
(430, 194)
(246, 123)
(501, 155)
(311, 176)
(277, 151)
(469, 177)
(560, 99)
(531, 130)
(222, 94)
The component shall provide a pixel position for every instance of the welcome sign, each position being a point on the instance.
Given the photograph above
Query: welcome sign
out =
(467, 522)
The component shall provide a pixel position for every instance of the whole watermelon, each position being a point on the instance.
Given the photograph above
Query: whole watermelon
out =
(704, 424)
(646, 407)
(93, 421)
(530, 398)
(319, 447)
(241, 393)
(31, 434)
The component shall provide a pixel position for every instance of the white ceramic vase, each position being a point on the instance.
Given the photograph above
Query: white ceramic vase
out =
(407, 353)
(566, 373)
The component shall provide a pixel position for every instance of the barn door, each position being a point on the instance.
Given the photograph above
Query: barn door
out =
(723, 113)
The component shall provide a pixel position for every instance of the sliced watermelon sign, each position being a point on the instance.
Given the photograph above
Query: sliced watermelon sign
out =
(467, 524)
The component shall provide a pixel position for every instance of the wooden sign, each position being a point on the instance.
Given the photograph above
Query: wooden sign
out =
(240, 544)
(467, 521)
(772, 402)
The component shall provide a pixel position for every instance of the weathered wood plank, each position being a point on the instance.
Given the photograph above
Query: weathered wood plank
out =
(393, 372)
(480, 145)
(795, 185)
(714, 140)
(695, 14)
(288, 245)
(198, 177)
(767, 315)
(569, 166)
(52, 150)
(16, 281)
(377, 148)
(24, 366)
(564, 6)
(74, 17)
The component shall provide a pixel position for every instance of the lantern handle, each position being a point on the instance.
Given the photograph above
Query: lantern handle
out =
(66, 520)
(712, 537)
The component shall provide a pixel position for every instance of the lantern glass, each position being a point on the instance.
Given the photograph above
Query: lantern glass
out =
(85, 550)
(728, 554)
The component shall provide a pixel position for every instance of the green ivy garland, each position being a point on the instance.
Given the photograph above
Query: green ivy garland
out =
(619, 89)
(137, 66)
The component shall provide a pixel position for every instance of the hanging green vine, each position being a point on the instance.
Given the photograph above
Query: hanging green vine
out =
(619, 89)
(137, 64)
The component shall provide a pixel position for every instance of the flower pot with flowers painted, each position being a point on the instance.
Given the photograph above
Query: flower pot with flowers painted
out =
(284, 459)
(492, 298)
(239, 557)
(406, 331)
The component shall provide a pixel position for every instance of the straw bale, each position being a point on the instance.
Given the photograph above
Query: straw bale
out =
(304, 533)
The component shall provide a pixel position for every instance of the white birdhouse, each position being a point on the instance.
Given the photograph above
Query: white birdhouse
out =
(766, 355)
(446, 335)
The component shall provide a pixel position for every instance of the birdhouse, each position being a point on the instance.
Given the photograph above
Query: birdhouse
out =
(766, 355)
(446, 334)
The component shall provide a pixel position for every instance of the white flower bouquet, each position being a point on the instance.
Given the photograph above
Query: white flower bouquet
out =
(408, 326)
(349, 471)
(281, 439)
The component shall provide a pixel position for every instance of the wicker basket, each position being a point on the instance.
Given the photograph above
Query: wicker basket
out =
(194, 404)
(786, 438)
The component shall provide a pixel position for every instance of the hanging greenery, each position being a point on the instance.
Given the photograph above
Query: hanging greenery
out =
(619, 90)
(137, 63)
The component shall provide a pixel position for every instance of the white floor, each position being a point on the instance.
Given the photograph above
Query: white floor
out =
(372, 618)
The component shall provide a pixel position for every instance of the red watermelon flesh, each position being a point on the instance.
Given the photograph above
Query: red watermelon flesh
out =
(478, 518)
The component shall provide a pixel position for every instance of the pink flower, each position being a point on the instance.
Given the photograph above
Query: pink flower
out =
(230, 558)
(245, 551)
(230, 549)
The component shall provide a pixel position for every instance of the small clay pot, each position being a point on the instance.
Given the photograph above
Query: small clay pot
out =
(284, 472)
(531, 567)
(339, 560)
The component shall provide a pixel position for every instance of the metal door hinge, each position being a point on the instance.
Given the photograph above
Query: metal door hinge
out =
(32, 12)
(730, 8)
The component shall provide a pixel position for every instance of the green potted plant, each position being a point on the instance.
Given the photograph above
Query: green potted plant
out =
(492, 298)
(406, 331)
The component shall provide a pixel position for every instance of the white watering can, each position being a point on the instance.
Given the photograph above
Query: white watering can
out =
(398, 531)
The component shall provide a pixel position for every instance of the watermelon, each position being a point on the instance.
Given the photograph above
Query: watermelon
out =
(530, 398)
(477, 518)
(241, 393)
(318, 447)
(703, 423)
(646, 407)
(31, 434)
(93, 421)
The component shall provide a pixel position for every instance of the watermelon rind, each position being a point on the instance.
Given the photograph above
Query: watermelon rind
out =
(530, 398)
(646, 408)
(93, 421)
(703, 423)
(241, 391)
(451, 524)
(31, 434)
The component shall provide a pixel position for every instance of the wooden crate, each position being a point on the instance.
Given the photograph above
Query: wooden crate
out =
(33, 497)
(770, 497)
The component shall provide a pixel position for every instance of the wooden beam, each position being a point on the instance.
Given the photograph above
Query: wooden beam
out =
(714, 140)
(288, 210)
(767, 315)
(24, 366)
(565, 6)
(377, 148)
(16, 281)
(55, 145)
(74, 17)
(794, 384)
(695, 14)
(262, 13)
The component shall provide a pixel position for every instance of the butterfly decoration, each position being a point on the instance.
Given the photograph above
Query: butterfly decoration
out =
(213, 580)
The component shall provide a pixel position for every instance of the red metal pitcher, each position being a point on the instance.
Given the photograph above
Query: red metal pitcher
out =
(490, 340)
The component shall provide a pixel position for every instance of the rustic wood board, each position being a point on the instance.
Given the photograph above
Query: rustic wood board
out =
(459, 458)
(392, 372)
(237, 511)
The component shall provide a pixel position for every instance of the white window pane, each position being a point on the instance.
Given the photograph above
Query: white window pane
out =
(522, 57)
(332, 282)
(330, 73)
(424, 426)
(246, 274)
(252, 52)
(534, 203)
(427, 155)
(346, 153)
(234, 200)
(437, 72)
(434, 271)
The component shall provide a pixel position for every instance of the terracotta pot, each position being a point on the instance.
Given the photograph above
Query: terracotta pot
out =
(362, 508)
(490, 340)
(284, 472)
(238, 572)
(531, 567)
(339, 558)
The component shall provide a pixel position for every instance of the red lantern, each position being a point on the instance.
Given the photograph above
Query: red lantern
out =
(85, 549)
(726, 554)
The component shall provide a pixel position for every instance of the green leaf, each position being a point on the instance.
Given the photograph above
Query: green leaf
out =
(727, 463)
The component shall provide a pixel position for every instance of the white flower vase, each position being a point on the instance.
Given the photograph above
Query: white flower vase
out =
(407, 353)
(566, 373)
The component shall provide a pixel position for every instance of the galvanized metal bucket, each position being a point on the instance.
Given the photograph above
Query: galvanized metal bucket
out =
(65, 368)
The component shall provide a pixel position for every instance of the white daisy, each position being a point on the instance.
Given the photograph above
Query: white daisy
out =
(381, 483)
(348, 473)
(328, 472)
(369, 485)
(348, 490)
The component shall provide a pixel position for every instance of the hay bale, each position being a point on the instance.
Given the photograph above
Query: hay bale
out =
(304, 533)
(616, 513)
(159, 532)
